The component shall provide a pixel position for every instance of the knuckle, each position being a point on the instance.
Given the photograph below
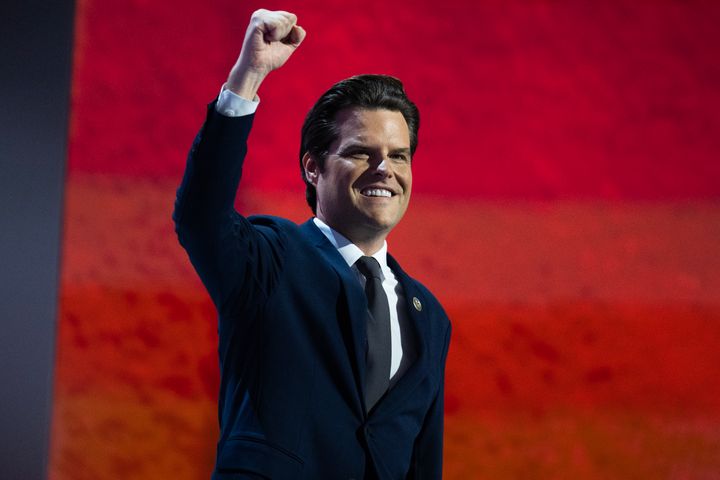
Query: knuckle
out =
(260, 15)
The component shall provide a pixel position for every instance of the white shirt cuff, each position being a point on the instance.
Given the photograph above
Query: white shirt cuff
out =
(231, 104)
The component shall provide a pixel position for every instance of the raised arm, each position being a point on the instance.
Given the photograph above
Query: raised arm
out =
(223, 246)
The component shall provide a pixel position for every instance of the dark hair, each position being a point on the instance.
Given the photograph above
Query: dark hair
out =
(371, 92)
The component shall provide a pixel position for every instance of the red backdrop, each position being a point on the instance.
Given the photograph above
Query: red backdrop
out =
(566, 212)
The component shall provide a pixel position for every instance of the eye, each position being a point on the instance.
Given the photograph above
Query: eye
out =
(400, 157)
(357, 155)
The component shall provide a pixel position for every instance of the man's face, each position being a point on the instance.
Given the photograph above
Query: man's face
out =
(364, 188)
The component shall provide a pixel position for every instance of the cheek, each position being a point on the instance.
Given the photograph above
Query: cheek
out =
(407, 182)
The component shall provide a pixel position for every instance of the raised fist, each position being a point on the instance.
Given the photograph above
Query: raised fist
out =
(270, 39)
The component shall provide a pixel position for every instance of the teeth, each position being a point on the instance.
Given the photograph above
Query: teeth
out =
(377, 192)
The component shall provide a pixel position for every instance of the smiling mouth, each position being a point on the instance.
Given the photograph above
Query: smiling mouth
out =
(376, 192)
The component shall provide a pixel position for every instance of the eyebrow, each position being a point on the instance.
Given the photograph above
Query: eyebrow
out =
(362, 146)
(401, 150)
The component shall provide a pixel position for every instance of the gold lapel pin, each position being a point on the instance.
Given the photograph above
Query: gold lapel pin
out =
(417, 304)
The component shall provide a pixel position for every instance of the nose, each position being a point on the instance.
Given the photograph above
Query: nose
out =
(382, 167)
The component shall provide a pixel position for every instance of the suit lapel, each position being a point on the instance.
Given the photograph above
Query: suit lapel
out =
(356, 301)
(414, 303)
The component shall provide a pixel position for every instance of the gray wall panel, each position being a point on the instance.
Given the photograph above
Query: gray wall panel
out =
(35, 55)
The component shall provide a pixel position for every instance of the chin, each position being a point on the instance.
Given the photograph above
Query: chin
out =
(382, 224)
(381, 219)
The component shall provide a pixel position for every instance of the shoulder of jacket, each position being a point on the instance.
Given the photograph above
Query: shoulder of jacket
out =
(271, 226)
(271, 221)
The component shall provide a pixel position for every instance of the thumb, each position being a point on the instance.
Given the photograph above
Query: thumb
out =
(295, 37)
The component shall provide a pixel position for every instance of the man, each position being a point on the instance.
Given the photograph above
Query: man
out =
(332, 358)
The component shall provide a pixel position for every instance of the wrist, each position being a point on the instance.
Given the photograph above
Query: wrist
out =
(245, 82)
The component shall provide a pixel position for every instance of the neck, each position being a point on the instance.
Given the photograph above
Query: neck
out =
(368, 241)
(368, 247)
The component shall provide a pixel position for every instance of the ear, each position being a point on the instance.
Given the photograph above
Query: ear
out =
(311, 168)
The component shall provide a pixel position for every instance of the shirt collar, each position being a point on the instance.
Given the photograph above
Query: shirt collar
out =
(348, 250)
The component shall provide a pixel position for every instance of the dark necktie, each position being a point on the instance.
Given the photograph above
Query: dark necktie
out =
(377, 374)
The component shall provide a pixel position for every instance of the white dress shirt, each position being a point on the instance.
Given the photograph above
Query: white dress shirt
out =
(231, 104)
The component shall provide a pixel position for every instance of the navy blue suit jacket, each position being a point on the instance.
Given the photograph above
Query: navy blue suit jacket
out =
(292, 339)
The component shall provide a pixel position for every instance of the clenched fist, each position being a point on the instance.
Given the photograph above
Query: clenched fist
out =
(269, 41)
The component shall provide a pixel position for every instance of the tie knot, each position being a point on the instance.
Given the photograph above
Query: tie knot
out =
(369, 267)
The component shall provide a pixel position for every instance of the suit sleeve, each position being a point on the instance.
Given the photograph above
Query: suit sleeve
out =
(428, 450)
(236, 261)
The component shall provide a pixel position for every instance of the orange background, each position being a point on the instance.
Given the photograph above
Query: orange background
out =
(566, 212)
